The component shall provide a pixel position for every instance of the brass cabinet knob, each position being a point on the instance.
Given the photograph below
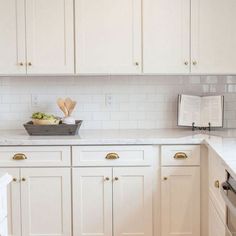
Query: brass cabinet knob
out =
(180, 155)
(29, 64)
(23, 179)
(116, 178)
(112, 156)
(165, 178)
(19, 156)
(194, 63)
(21, 64)
(217, 184)
(107, 179)
(186, 63)
(136, 63)
(14, 179)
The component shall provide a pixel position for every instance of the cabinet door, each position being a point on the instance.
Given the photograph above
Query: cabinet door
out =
(180, 201)
(12, 40)
(214, 36)
(216, 226)
(108, 36)
(50, 44)
(46, 201)
(166, 36)
(132, 199)
(92, 201)
(13, 202)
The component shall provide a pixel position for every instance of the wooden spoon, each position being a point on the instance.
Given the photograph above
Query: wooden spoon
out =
(61, 104)
(73, 104)
(68, 104)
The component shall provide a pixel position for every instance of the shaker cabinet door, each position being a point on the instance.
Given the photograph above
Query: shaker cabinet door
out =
(108, 36)
(92, 201)
(132, 199)
(166, 36)
(46, 201)
(12, 39)
(180, 201)
(213, 36)
(49, 37)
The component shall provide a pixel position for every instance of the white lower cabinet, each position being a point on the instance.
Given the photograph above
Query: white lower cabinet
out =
(112, 201)
(39, 202)
(180, 201)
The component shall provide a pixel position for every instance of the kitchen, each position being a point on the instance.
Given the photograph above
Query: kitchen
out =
(131, 169)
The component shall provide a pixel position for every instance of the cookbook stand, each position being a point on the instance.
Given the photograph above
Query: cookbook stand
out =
(201, 128)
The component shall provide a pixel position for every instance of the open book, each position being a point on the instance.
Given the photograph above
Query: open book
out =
(200, 110)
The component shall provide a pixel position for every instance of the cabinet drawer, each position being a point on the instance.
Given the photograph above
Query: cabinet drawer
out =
(35, 156)
(180, 155)
(112, 155)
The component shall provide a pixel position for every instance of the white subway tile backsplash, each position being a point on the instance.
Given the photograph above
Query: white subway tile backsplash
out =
(111, 102)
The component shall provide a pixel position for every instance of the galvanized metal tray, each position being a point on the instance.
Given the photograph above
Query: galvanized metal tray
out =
(46, 130)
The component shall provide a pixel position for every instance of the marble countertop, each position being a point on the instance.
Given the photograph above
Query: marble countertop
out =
(222, 142)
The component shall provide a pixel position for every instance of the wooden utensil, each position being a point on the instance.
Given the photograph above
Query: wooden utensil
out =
(68, 103)
(61, 104)
(72, 106)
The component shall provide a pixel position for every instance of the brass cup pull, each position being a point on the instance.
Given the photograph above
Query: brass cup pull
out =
(112, 156)
(19, 156)
(217, 184)
(180, 155)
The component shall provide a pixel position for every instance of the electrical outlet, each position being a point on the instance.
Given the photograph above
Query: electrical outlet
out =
(34, 100)
(108, 100)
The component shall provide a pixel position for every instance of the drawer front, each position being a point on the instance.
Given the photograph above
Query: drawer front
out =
(35, 156)
(112, 155)
(180, 155)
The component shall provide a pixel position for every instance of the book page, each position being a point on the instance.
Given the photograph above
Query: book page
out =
(189, 110)
(212, 111)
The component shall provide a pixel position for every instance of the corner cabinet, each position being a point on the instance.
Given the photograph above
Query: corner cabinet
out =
(38, 38)
(108, 36)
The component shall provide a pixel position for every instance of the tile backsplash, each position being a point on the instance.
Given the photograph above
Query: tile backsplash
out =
(111, 102)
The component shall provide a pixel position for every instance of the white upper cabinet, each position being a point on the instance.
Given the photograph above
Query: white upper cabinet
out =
(214, 36)
(50, 43)
(166, 36)
(108, 36)
(12, 39)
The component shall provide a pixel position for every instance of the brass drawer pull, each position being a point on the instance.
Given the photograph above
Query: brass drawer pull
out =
(19, 156)
(180, 155)
(112, 156)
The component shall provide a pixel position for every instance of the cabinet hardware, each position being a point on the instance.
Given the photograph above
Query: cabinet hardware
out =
(194, 63)
(116, 178)
(180, 155)
(217, 183)
(136, 63)
(107, 179)
(23, 179)
(186, 63)
(21, 64)
(19, 156)
(29, 64)
(112, 156)
(14, 179)
(165, 178)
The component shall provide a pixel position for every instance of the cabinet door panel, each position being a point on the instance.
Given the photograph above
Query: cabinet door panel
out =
(46, 202)
(108, 36)
(166, 36)
(132, 199)
(92, 201)
(180, 201)
(12, 40)
(50, 44)
(13, 203)
(214, 36)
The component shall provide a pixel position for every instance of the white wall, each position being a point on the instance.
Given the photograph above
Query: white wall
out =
(138, 102)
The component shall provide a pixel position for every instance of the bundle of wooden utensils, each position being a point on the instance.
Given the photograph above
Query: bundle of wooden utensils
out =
(67, 106)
